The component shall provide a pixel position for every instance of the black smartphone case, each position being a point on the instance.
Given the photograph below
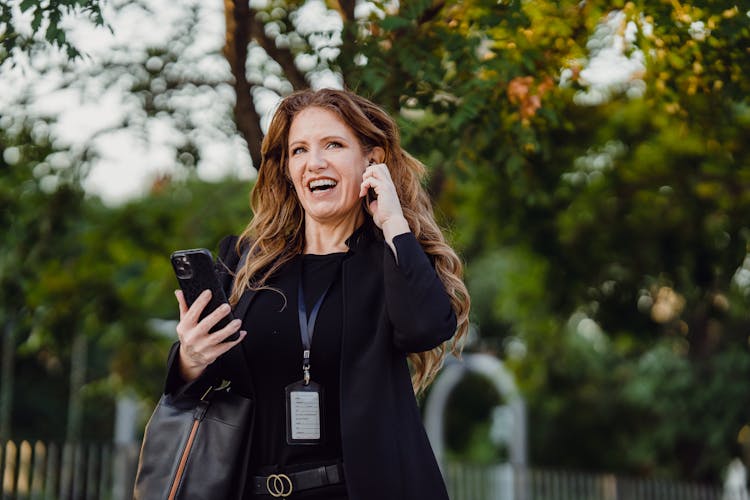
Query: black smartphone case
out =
(195, 273)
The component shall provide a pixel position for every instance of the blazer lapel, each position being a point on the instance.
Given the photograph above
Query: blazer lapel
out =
(235, 357)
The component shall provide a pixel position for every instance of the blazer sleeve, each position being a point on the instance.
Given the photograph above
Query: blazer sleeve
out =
(174, 383)
(417, 303)
(176, 386)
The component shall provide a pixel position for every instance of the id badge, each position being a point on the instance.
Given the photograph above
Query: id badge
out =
(304, 413)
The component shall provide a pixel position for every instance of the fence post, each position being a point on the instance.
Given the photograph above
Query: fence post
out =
(126, 447)
(105, 472)
(37, 479)
(52, 476)
(124, 465)
(66, 471)
(2, 466)
(92, 471)
(9, 480)
(610, 487)
(79, 470)
(23, 486)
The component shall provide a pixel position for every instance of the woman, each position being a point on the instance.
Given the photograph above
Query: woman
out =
(346, 276)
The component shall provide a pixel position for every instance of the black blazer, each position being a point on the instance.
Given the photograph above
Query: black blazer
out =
(390, 309)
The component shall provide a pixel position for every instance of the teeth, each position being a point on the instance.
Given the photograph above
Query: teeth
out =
(319, 183)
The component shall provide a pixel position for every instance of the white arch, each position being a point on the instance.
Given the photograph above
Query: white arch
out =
(503, 381)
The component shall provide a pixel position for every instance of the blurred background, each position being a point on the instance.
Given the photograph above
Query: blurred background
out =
(589, 160)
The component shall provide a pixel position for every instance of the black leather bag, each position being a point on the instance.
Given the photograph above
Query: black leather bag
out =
(192, 448)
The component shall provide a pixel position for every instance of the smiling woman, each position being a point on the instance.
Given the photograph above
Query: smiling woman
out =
(370, 276)
(326, 164)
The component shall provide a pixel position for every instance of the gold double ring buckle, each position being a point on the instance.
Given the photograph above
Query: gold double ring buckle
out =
(277, 485)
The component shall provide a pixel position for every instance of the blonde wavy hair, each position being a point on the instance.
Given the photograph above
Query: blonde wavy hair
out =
(276, 232)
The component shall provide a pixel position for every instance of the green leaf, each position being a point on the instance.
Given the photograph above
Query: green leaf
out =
(393, 23)
(27, 4)
(36, 22)
(52, 33)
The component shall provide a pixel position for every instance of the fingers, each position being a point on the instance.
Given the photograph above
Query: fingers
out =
(181, 302)
(195, 310)
(190, 328)
(378, 177)
(220, 347)
(387, 207)
(198, 347)
(207, 351)
(227, 331)
(214, 317)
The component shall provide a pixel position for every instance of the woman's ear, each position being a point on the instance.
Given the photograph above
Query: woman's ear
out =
(377, 155)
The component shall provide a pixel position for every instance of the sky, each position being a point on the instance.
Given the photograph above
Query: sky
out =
(90, 109)
(87, 107)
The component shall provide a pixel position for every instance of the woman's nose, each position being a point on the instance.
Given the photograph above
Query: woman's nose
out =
(316, 160)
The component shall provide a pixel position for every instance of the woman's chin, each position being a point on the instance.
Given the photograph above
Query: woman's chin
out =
(325, 212)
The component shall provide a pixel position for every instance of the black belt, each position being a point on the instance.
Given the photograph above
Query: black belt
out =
(283, 485)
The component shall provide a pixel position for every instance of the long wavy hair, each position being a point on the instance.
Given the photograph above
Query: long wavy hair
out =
(276, 232)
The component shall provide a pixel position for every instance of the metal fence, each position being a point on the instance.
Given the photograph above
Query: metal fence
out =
(42, 471)
(506, 482)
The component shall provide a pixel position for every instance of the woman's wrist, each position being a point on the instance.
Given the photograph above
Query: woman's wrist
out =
(393, 227)
(188, 372)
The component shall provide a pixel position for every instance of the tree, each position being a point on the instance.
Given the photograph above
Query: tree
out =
(42, 202)
(45, 16)
(627, 218)
(604, 224)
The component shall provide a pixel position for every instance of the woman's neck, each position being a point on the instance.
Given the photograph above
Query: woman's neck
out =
(322, 238)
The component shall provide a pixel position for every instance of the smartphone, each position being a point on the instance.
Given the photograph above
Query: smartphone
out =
(371, 194)
(195, 273)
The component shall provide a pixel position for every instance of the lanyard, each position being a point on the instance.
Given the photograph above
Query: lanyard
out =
(307, 324)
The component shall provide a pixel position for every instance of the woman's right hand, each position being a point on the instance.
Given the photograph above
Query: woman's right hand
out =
(198, 348)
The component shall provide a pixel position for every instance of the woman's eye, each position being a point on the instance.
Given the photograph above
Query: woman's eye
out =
(333, 145)
(298, 150)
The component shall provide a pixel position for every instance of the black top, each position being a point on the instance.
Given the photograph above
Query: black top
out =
(274, 349)
(389, 309)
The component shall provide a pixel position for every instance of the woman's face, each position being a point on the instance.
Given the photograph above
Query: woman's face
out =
(326, 163)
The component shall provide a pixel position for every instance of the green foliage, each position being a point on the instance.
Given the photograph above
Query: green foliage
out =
(44, 291)
(135, 240)
(605, 227)
(473, 400)
(46, 16)
(70, 264)
(600, 232)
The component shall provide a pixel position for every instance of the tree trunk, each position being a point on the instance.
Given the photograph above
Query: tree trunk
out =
(7, 379)
(78, 360)
(237, 15)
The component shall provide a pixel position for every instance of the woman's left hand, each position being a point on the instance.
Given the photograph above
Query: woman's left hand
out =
(386, 209)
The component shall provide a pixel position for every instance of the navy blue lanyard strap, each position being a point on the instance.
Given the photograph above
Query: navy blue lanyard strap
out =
(307, 324)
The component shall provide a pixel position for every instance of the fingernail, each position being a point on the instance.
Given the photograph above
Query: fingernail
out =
(225, 307)
(236, 322)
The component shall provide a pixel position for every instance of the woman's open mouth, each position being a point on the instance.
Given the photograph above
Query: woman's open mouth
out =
(318, 185)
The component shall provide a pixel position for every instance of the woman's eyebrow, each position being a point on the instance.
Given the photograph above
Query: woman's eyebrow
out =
(336, 137)
(322, 139)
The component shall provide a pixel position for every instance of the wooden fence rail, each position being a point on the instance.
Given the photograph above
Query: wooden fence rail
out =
(46, 471)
